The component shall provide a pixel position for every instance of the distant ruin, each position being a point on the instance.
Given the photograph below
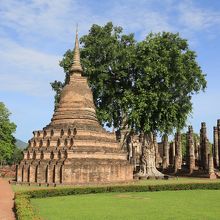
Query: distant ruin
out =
(201, 158)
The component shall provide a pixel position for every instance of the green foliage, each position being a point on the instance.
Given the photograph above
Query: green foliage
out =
(23, 207)
(16, 157)
(42, 193)
(7, 141)
(57, 86)
(146, 85)
(168, 76)
(184, 144)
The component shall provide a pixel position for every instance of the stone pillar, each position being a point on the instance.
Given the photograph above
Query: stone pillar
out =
(124, 135)
(211, 167)
(41, 173)
(51, 173)
(165, 151)
(172, 153)
(218, 127)
(204, 146)
(32, 171)
(157, 156)
(25, 173)
(131, 153)
(19, 173)
(57, 174)
(137, 151)
(190, 150)
(215, 147)
(196, 146)
(178, 153)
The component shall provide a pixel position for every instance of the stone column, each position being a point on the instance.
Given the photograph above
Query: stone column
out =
(190, 150)
(137, 151)
(51, 173)
(178, 153)
(211, 167)
(18, 173)
(196, 146)
(57, 178)
(32, 174)
(25, 173)
(215, 147)
(157, 156)
(41, 173)
(218, 127)
(204, 146)
(165, 151)
(172, 153)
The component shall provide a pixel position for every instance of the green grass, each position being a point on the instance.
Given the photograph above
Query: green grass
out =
(176, 180)
(192, 204)
(19, 188)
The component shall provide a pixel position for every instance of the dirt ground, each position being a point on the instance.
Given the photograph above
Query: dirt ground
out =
(6, 200)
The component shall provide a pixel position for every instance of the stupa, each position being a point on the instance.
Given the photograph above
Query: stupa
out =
(74, 148)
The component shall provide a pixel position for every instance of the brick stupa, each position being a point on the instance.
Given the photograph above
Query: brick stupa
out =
(74, 148)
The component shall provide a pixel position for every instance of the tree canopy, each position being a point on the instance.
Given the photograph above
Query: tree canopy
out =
(7, 140)
(146, 86)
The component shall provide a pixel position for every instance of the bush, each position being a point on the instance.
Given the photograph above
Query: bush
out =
(126, 188)
(23, 207)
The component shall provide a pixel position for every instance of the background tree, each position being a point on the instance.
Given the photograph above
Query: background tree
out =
(16, 157)
(167, 75)
(146, 86)
(7, 140)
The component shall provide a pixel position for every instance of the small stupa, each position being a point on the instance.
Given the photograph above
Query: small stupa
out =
(74, 148)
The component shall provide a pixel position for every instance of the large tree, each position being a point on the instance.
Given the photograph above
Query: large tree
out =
(167, 75)
(145, 86)
(7, 140)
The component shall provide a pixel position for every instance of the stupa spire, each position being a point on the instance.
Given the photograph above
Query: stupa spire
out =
(76, 66)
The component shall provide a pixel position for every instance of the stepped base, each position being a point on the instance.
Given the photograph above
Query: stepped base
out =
(74, 171)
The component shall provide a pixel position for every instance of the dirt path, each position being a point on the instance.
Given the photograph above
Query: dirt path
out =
(6, 201)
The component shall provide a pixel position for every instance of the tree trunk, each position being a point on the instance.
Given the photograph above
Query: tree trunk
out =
(148, 165)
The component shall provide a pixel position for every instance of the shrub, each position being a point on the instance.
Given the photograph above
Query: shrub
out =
(23, 207)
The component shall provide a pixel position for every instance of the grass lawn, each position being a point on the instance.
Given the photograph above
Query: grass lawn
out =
(18, 188)
(191, 204)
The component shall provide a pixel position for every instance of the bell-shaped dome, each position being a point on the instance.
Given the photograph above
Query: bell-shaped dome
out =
(76, 106)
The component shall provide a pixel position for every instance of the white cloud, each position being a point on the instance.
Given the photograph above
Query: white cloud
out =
(39, 16)
(197, 19)
(142, 21)
(43, 21)
(26, 70)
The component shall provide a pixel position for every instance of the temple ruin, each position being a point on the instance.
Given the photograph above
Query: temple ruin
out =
(75, 149)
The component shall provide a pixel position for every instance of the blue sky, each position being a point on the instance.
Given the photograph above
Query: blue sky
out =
(34, 35)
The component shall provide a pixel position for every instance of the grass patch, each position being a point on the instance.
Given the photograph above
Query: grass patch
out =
(24, 193)
(193, 204)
